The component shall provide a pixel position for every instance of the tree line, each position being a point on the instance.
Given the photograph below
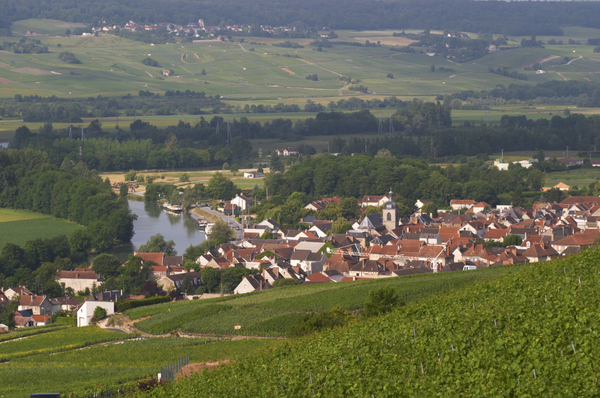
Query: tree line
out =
(70, 191)
(513, 18)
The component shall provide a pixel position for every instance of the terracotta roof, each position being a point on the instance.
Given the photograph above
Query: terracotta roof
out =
(155, 257)
(32, 301)
(496, 233)
(40, 318)
(173, 260)
(78, 275)
(462, 202)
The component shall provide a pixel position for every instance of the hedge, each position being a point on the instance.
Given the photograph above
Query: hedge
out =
(129, 304)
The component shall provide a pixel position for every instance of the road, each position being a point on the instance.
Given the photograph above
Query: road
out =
(237, 227)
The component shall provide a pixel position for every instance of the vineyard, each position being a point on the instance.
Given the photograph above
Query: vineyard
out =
(273, 312)
(533, 332)
(117, 365)
(57, 340)
(18, 334)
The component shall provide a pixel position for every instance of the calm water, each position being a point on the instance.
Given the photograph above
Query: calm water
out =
(152, 220)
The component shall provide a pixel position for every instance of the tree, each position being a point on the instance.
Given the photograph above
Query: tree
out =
(157, 244)
(267, 235)
(340, 226)
(68, 32)
(203, 72)
(220, 187)
(106, 265)
(432, 68)
(512, 240)
(517, 198)
(123, 190)
(187, 286)
(390, 76)
(430, 208)
(384, 153)
(234, 168)
(221, 232)
(277, 164)
(381, 301)
(130, 175)
(211, 279)
(193, 252)
(536, 180)
(184, 177)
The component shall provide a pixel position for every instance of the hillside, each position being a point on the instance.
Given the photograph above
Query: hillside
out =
(532, 332)
(273, 312)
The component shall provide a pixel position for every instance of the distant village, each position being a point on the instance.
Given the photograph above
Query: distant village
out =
(381, 245)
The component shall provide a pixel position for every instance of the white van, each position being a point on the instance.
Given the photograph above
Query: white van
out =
(469, 268)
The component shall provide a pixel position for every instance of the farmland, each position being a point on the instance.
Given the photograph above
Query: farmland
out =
(273, 312)
(257, 72)
(101, 367)
(532, 332)
(20, 226)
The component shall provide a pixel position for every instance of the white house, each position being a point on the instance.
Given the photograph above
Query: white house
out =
(86, 311)
(241, 201)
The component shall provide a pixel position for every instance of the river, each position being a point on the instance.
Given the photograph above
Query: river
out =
(152, 220)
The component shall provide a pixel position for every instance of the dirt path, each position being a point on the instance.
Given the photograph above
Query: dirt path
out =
(196, 55)
(574, 59)
(559, 74)
(148, 73)
(318, 66)
(291, 72)
(199, 367)
(539, 61)
(182, 59)
(242, 48)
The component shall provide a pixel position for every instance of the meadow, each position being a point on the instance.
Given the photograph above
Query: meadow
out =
(118, 364)
(273, 312)
(20, 226)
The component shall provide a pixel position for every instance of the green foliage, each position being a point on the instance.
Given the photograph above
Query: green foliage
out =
(381, 301)
(123, 190)
(66, 320)
(184, 177)
(99, 313)
(106, 265)
(340, 226)
(286, 282)
(68, 57)
(150, 62)
(157, 244)
(430, 208)
(512, 240)
(129, 304)
(221, 232)
(131, 175)
(312, 323)
(220, 187)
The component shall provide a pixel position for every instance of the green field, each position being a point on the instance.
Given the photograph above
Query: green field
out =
(111, 66)
(20, 226)
(580, 178)
(532, 332)
(64, 368)
(273, 312)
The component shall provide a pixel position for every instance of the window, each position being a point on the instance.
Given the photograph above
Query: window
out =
(389, 216)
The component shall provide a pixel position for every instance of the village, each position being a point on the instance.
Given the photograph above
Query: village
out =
(382, 245)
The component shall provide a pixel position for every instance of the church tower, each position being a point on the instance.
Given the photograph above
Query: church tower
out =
(390, 213)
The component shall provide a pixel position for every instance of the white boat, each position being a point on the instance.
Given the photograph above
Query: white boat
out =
(173, 208)
(208, 229)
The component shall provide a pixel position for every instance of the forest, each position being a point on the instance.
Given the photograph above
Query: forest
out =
(512, 18)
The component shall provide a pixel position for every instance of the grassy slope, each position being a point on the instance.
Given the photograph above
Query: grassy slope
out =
(483, 340)
(19, 226)
(111, 365)
(273, 312)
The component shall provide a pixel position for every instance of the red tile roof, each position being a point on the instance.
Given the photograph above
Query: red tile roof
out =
(155, 257)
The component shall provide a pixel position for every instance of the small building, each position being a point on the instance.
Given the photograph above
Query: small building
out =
(230, 209)
(4, 144)
(166, 73)
(561, 186)
(571, 161)
(175, 281)
(241, 201)
(40, 305)
(253, 174)
(79, 280)
(86, 311)
(460, 204)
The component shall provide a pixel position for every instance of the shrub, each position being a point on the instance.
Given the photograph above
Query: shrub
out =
(150, 62)
(68, 57)
(130, 175)
(99, 313)
(313, 322)
(381, 301)
(184, 177)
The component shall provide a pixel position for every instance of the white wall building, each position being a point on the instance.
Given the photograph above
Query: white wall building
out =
(86, 311)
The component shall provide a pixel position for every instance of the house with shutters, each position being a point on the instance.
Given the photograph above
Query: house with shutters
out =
(80, 279)
(39, 305)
